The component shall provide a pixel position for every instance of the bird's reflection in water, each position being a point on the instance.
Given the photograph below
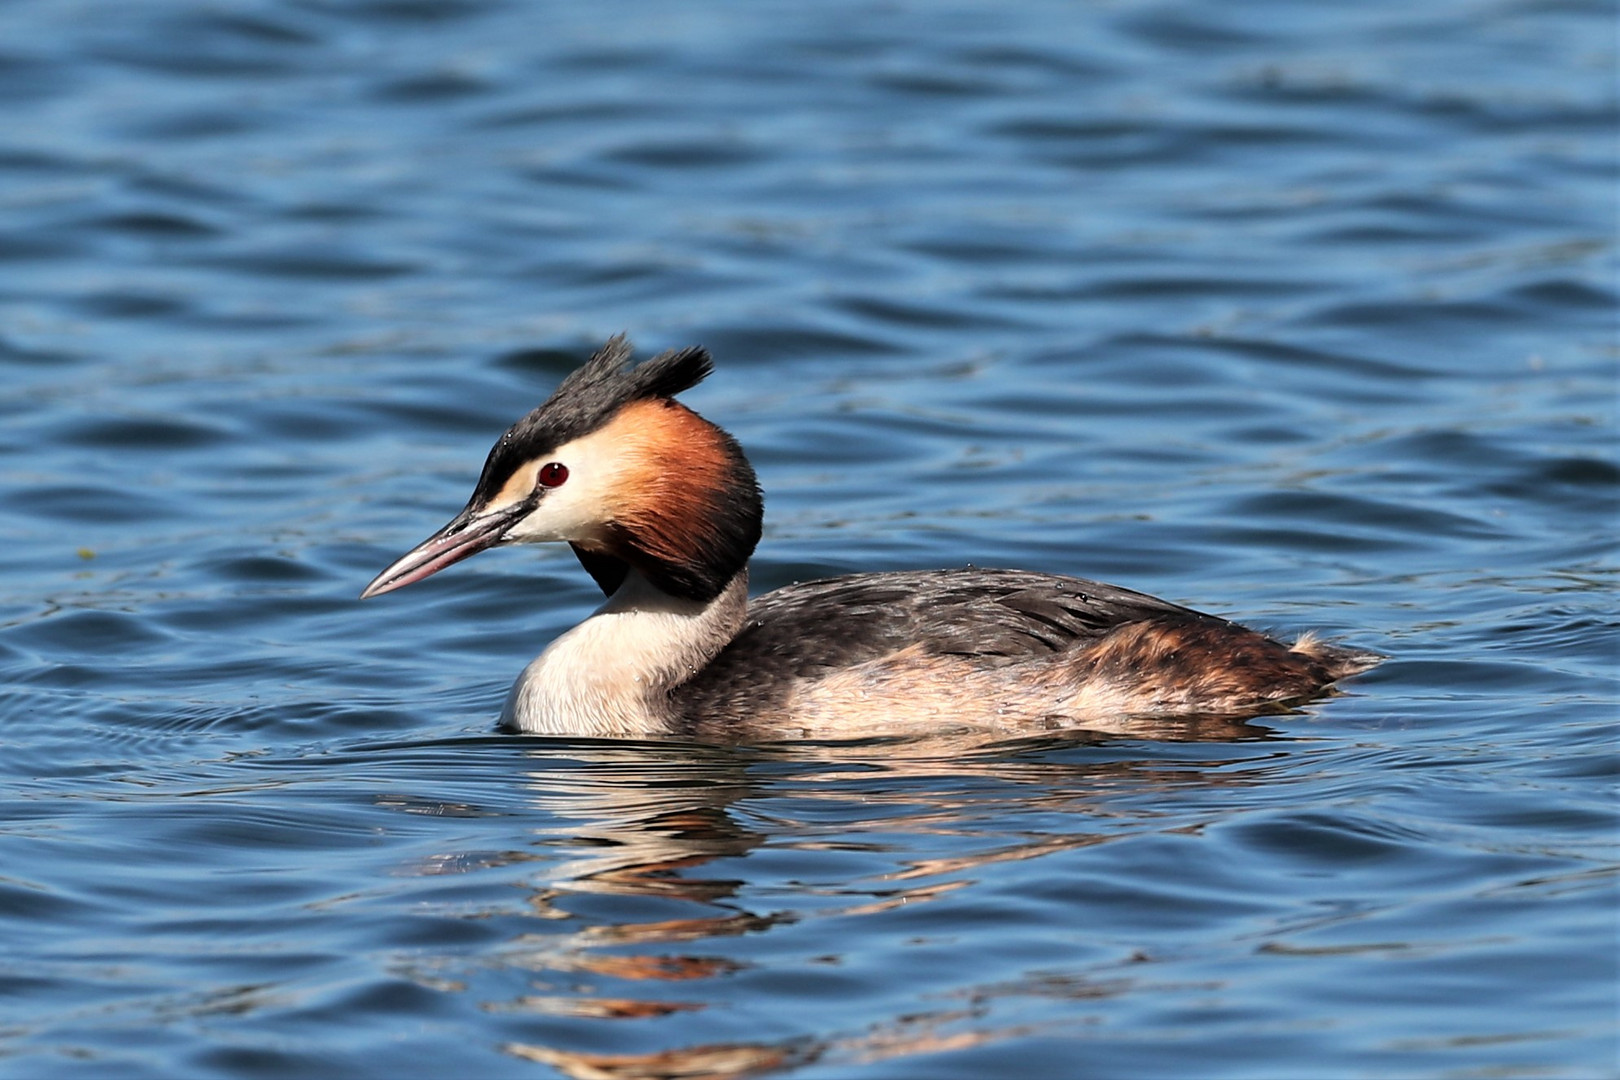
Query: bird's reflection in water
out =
(654, 846)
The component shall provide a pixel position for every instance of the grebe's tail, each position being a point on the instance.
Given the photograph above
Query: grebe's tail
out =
(1336, 661)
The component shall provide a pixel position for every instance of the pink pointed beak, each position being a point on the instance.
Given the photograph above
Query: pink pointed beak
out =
(467, 534)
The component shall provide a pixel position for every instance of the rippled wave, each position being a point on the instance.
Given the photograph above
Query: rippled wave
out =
(1302, 314)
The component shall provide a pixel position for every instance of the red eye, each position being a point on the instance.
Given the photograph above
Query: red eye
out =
(553, 473)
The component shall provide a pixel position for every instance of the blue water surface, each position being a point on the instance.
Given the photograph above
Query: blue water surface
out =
(1301, 313)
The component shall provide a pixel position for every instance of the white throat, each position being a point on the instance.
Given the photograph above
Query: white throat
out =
(610, 676)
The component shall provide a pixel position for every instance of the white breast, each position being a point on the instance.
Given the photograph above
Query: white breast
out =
(610, 676)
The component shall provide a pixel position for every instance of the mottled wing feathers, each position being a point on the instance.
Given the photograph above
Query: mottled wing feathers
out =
(980, 646)
(997, 616)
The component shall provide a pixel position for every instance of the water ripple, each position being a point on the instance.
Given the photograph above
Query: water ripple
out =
(1301, 314)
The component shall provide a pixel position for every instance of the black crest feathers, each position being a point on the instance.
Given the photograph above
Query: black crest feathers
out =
(607, 382)
(588, 398)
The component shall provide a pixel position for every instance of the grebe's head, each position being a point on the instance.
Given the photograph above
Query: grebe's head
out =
(613, 465)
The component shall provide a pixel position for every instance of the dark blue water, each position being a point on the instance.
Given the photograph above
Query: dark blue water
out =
(1301, 313)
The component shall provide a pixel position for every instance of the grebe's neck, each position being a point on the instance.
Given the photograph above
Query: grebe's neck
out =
(611, 675)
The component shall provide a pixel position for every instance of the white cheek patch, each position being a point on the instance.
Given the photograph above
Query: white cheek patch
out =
(577, 509)
(516, 489)
(564, 513)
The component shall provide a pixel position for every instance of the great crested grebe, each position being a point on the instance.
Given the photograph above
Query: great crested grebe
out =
(663, 511)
